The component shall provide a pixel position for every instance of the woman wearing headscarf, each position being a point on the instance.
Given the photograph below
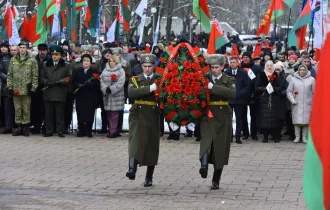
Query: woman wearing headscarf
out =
(300, 94)
(269, 90)
(87, 87)
(112, 87)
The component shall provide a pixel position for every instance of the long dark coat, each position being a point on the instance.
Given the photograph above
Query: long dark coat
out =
(52, 74)
(143, 123)
(270, 109)
(216, 132)
(87, 96)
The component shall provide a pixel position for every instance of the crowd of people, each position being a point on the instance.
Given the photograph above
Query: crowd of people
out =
(40, 86)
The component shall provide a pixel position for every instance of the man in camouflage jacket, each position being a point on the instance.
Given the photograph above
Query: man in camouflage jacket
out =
(22, 80)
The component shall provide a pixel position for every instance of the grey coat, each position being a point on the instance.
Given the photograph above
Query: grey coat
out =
(305, 88)
(116, 99)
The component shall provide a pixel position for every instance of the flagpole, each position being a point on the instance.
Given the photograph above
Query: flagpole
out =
(200, 26)
(287, 30)
(310, 34)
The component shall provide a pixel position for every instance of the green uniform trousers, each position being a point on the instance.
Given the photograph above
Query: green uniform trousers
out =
(22, 106)
(54, 109)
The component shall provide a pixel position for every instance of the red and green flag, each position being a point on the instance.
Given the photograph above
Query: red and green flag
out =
(265, 23)
(126, 15)
(278, 9)
(317, 162)
(80, 4)
(298, 32)
(201, 11)
(7, 27)
(290, 3)
(93, 22)
(217, 38)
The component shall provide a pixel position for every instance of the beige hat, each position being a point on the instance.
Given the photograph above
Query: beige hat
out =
(216, 59)
(148, 58)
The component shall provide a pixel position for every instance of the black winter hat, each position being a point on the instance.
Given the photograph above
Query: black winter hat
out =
(248, 54)
(86, 56)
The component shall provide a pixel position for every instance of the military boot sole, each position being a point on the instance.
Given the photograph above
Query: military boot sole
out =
(203, 172)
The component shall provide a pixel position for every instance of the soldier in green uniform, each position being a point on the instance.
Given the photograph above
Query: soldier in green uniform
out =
(143, 121)
(216, 128)
(22, 80)
(56, 77)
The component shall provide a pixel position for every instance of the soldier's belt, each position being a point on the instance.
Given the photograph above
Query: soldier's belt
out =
(218, 103)
(150, 103)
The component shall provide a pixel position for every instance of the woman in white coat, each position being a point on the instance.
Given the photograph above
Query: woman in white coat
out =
(300, 93)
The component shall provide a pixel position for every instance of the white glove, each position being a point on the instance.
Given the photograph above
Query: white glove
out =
(153, 87)
(191, 126)
(293, 102)
(174, 126)
(210, 85)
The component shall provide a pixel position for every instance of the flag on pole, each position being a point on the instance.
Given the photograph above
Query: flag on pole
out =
(113, 32)
(318, 23)
(217, 38)
(94, 8)
(7, 27)
(298, 32)
(265, 23)
(278, 9)
(126, 15)
(317, 162)
(201, 11)
(141, 11)
(15, 12)
(24, 30)
(56, 28)
(156, 32)
(290, 3)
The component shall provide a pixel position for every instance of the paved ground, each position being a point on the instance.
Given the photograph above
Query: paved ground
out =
(71, 173)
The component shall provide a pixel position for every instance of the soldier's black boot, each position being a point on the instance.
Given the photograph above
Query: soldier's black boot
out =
(88, 130)
(132, 165)
(204, 166)
(26, 131)
(148, 180)
(216, 179)
(18, 131)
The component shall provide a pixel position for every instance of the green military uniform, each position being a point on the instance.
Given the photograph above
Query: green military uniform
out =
(143, 123)
(216, 131)
(53, 77)
(22, 79)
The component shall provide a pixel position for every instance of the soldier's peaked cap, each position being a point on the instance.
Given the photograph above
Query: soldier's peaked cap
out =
(56, 49)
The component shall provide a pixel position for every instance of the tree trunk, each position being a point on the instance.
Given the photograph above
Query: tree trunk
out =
(170, 4)
(30, 6)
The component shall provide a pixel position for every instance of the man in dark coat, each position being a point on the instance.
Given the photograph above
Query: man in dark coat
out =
(143, 121)
(55, 76)
(37, 103)
(248, 65)
(7, 104)
(216, 131)
(243, 92)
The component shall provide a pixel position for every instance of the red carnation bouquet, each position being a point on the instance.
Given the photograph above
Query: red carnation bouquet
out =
(182, 90)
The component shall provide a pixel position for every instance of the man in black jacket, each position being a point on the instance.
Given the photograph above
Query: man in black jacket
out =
(248, 65)
(7, 104)
(242, 85)
(37, 103)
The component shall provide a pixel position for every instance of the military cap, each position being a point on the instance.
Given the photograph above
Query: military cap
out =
(24, 43)
(148, 58)
(115, 50)
(216, 59)
(140, 47)
(56, 49)
(42, 47)
(85, 48)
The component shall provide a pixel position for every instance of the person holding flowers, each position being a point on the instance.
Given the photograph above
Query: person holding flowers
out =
(300, 94)
(55, 77)
(144, 114)
(112, 87)
(269, 89)
(216, 123)
(87, 87)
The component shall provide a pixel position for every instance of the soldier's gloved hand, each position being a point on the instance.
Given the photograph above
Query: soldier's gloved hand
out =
(80, 85)
(108, 90)
(210, 85)
(153, 87)
(293, 102)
